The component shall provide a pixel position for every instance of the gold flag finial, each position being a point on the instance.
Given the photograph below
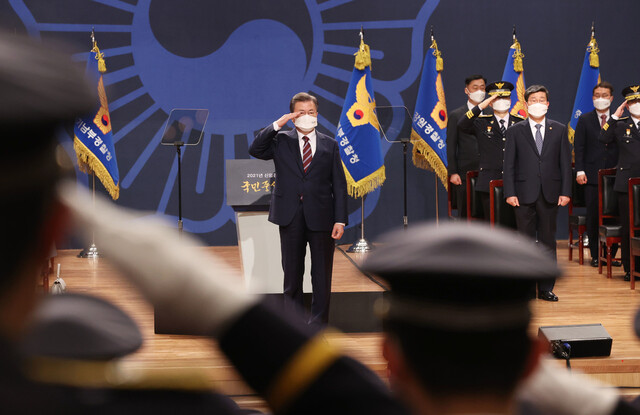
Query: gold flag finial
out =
(437, 53)
(517, 54)
(363, 55)
(102, 67)
(594, 60)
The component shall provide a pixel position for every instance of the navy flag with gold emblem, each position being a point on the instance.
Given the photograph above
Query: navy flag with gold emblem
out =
(358, 133)
(429, 127)
(93, 139)
(589, 78)
(514, 73)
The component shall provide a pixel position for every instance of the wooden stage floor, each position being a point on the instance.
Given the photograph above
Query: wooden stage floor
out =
(585, 297)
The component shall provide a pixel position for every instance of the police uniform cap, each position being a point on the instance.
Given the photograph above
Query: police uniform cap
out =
(81, 327)
(460, 276)
(631, 92)
(501, 88)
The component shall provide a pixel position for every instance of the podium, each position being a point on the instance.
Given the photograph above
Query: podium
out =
(249, 186)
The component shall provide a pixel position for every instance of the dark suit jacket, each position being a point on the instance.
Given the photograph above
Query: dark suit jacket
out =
(591, 154)
(628, 150)
(323, 188)
(486, 129)
(462, 147)
(526, 172)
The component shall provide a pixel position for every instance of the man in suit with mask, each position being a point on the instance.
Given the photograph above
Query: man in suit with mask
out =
(490, 131)
(309, 201)
(462, 147)
(626, 132)
(537, 175)
(591, 156)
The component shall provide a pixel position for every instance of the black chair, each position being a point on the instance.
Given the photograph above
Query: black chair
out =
(502, 213)
(474, 205)
(577, 222)
(609, 230)
(634, 226)
(452, 199)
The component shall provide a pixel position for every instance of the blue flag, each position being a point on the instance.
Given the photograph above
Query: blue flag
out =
(429, 127)
(589, 78)
(93, 139)
(358, 132)
(514, 73)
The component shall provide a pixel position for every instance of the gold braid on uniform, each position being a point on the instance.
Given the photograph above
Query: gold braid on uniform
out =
(311, 361)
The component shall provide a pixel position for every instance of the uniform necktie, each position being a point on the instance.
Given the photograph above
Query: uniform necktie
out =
(306, 154)
(502, 129)
(603, 119)
(539, 138)
(638, 125)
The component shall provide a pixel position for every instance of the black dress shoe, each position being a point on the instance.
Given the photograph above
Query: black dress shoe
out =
(627, 276)
(616, 263)
(594, 262)
(547, 296)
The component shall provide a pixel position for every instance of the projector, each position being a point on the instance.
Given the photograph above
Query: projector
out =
(586, 340)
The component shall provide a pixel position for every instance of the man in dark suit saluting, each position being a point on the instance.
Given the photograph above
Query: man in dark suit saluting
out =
(537, 174)
(309, 201)
(591, 156)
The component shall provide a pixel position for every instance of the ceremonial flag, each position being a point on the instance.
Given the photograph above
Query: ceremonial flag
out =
(93, 139)
(358, 132)
(514, 73)
(429, 127)
(589, 78)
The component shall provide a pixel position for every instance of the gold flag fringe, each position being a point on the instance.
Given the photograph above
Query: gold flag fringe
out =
(425, 158)
(88, 162)
(363, 56)
(517, 57)
(365, 185)
(594, 60)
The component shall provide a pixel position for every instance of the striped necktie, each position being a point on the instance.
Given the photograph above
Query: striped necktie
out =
(539, 138)
(502, 127)
(306, 154)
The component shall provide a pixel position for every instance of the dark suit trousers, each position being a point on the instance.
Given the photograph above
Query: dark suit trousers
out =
(293, 244)
(591, 200)
(485, 200)
(538, 220)
(461, 198)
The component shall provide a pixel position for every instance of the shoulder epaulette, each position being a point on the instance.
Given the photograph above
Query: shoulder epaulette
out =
(485, 116)
(517, 116)
(622, 118)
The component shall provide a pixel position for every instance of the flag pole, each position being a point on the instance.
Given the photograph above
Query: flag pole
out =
(92, 251)
(362, 245)
(435, 177)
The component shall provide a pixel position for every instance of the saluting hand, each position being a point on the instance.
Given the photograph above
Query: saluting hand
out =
(484, 104)
(287, 117)
(620, 109)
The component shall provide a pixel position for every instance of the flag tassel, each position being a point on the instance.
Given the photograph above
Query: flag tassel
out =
(88, 163)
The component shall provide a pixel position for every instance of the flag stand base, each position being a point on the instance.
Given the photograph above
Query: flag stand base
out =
(91, 252)
(360, 246)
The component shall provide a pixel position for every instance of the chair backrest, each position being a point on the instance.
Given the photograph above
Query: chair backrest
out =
(501, 212)
(452, 199)
(634, 205)
(474, 206)
(577, 194)
(607, 197)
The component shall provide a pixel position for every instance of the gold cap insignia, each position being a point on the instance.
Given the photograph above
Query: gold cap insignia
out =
(635, 88)
(499, 85)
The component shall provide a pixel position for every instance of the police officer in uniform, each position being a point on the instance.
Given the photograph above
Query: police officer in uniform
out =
(489, 130)
(625, 131)
(456, 330)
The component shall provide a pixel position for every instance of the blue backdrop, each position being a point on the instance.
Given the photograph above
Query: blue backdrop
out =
(243, 60)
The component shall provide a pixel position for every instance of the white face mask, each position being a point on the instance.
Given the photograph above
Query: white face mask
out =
(634, 109)
(502, 105)
(601, 103)
(476, 96)
(538, 110)
(306, 123)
